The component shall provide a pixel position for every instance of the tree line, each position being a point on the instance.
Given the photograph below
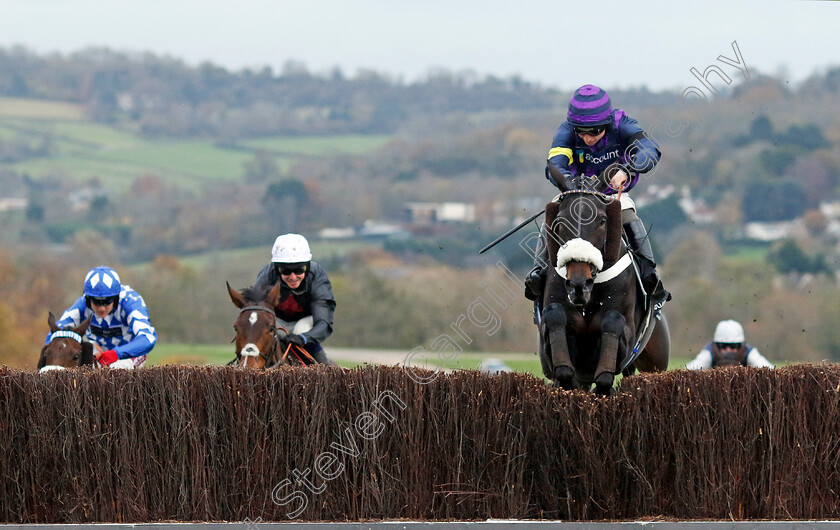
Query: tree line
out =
(162, 96)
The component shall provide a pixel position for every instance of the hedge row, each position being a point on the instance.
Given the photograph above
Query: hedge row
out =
(214, 443)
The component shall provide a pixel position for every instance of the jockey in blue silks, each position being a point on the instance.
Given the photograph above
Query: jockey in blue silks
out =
(119, 328)
(597, 140)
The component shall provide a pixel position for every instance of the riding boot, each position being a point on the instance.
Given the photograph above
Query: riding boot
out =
(640, 244)
(317, 352)
(535, 280)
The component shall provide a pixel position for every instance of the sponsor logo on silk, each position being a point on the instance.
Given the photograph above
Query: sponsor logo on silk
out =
(603, 158)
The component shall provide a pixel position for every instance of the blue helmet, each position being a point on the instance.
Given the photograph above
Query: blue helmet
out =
(102, 282)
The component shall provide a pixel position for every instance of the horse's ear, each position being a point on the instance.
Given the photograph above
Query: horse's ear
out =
(82, 328)
(236, 297)
(562, 182)
(51, 322)
(273, 295)
(614, 228)
(552, 210)
(42, 361)
(87, 354)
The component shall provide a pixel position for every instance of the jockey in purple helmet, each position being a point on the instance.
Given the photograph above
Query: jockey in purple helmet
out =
(119, 328)
(593, 138)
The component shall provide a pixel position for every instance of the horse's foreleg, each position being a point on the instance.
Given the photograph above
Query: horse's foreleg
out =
(612, 326)
(554, 320)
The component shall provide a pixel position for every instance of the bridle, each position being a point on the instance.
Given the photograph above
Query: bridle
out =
(579, 248)
(603, 196)
(294, 349)
(249, 352)
(59, 334)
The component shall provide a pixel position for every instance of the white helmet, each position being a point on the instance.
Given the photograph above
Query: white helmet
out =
(729, 331)
(290, 248)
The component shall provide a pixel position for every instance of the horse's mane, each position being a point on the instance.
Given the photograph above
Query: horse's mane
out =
(255, 294)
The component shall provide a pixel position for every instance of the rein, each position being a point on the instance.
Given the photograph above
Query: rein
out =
(296, 351)
(579, 249)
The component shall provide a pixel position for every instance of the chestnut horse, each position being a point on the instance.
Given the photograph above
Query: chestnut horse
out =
(595, 321)
(66, 348)
(257, 345)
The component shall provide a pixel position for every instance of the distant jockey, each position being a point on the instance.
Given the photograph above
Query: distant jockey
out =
(120, 328)
(728, 349)
(597, 140)
(306, 306)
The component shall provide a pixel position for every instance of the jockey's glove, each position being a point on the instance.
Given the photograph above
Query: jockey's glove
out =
(300, 340)
(107, 358)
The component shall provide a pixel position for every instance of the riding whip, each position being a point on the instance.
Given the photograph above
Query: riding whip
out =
(511, 231)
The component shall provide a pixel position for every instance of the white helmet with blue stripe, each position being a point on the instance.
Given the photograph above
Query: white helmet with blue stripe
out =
(102, 282)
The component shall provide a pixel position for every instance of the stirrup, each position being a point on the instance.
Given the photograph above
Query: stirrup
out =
(658, 302)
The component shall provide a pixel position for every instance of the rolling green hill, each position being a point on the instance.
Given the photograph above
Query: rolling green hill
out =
(55, 139)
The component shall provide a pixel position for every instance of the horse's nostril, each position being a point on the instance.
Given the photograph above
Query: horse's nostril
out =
(250, 350)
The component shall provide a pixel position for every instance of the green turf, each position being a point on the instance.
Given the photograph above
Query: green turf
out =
(212, 354)
(83, 150)
(198, 354)
(112, 174)
(747, 255)
(94, 133)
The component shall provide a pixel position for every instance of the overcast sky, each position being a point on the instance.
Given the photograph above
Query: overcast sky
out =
(552, 42)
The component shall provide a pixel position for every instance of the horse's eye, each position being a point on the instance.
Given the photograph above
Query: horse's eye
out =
(272, 329)
(603, 220)
(76, 357)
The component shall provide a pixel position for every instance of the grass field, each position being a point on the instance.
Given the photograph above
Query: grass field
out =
(747, 253)
(82, 150)
(38, 109)
(213, 354)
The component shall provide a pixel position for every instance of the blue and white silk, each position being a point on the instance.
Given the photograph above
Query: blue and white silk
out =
(126, 330)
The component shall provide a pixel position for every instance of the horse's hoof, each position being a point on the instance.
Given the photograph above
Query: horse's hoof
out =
(564, 385)
(604, 383)
(564, 377)
(604, 391)
(564, 372)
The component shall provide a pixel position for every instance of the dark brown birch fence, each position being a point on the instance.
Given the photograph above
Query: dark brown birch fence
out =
(181, 443)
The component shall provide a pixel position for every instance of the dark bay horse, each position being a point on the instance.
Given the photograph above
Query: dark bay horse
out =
(594, 322)
(66, 348)
(256, 340)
